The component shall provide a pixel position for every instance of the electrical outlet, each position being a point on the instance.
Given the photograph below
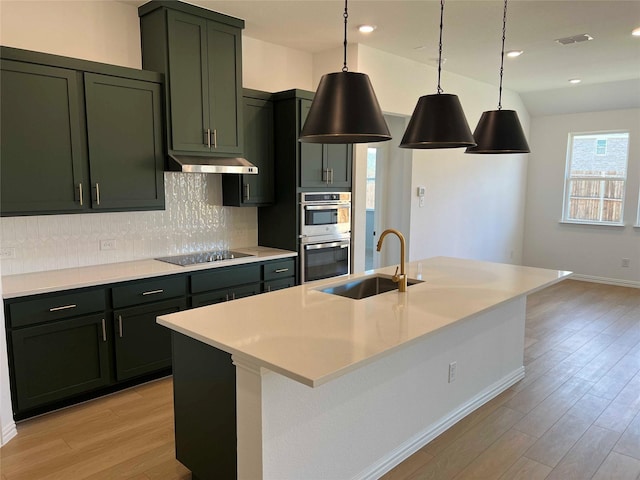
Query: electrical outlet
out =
(107, 244)
(8, 252)
(453, 370)
(625, 262)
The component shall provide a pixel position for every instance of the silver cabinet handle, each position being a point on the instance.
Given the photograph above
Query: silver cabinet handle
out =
(331, 173)
(64, 307)
(97, 193)
(227, 297)
(120, 332)
(281, 270)
(104, 331)
(215, 138)
(207, 138)
(268, 288)
(233, 296)
(80, 190)
(246, 191)
(326, 176)
(153, 292)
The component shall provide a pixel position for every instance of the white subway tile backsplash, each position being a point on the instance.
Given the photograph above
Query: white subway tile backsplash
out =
(194, 220)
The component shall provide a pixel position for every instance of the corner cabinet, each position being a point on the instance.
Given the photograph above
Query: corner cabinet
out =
(78, 136)
(254, 190)
(200, 51)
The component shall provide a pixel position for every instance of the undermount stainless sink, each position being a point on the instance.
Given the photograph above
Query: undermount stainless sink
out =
(366, 287)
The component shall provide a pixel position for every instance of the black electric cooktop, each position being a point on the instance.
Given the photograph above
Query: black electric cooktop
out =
(203, 257)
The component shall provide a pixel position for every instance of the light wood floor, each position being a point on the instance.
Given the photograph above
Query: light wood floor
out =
(576, 414)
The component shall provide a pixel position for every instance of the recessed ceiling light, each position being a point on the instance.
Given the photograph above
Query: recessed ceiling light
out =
(636, 32)
(514, 53)
(367, 28)
(575, 80)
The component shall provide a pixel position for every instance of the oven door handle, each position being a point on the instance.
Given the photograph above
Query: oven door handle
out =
(323, 207)
(315, 246)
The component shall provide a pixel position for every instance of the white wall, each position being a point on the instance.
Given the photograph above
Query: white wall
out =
(594, 251)
(273, 68)
(7, 425)
(101, 31)
(474, 203)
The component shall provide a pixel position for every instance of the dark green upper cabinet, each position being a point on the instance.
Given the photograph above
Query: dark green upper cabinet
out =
(200, 51)
(323, 166)
(125, 143)
(42, 160)
(254, 190)
(78, 136)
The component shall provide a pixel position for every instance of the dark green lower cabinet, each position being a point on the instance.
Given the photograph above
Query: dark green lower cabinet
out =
(141, 345)
(60, 359)
(279, 284)
(204, 397)
(225, 295)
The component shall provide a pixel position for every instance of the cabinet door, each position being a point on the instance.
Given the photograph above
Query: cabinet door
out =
(59, 359)
(254, 190)
(244, 291)
(312, 168)
(210, 298)
(188, 82)
(338, 163)
(273, 285)
(224, 62)
(124, 128)
(43, 164)
(141, 345)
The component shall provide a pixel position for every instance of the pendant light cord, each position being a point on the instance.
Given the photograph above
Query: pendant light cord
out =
(345, 15)
(504, 35)
(440, 46)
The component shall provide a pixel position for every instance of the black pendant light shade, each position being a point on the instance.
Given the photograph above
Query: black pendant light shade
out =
(345, 109)
(499, 131)
(438, 121)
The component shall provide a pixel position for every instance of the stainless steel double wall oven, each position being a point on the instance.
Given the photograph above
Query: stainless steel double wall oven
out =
(325, 235)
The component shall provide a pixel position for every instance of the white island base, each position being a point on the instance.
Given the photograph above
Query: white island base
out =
(362, 424)
(332, 388)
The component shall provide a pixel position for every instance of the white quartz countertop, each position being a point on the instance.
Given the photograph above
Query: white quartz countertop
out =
(69, 278)
(314, 337)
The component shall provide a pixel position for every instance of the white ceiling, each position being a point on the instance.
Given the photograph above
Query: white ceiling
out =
(609, 65)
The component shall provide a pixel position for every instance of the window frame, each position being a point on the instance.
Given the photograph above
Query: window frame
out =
(568, 179)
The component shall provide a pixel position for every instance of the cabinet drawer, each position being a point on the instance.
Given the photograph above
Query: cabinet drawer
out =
(280, 269)
(148, 291)
(54, 307)
(224, 278)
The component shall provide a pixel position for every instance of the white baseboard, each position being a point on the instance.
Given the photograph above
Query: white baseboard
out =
(608, 281)
(8, 432)
(414, 444)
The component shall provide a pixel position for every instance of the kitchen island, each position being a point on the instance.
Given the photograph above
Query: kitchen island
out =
(316, 385)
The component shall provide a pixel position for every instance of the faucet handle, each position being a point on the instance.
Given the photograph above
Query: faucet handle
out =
(396, 277)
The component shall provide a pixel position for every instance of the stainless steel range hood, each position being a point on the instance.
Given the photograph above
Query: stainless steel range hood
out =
(196, 164)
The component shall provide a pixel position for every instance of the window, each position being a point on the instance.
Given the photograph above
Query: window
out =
(601, 146)
(371, 178)
(596, 177)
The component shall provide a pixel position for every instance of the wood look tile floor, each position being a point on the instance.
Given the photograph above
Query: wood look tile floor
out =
(576, 414)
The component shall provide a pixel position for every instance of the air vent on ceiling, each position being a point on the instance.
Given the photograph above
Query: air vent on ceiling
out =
(583, 37)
